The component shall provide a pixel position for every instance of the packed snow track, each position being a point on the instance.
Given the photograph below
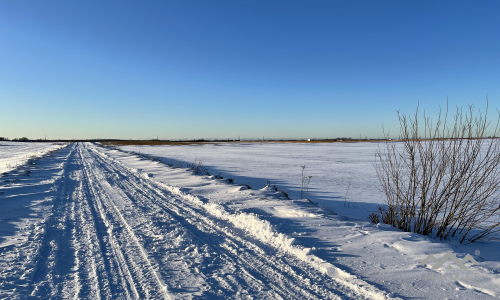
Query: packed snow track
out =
(111, 233)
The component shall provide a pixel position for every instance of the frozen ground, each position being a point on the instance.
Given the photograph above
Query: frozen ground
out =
(13, 154)
(90, 222)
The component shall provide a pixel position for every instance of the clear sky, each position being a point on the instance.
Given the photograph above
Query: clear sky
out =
(223, 69)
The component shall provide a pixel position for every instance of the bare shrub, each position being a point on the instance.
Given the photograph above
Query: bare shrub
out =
(347, 203)
(445, 183)
(305, 183)
(373, 217)
(198, 167)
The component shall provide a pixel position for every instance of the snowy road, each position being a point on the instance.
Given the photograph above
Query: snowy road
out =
(112, 233)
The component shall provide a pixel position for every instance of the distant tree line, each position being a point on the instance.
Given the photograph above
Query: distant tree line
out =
(23, 139)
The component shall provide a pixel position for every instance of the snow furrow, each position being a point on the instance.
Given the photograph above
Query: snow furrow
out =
(28, 195)
(247, 222)
(69, 262)
(202, 227)
(131, 258)
(53, 273)
(114, 234)
(90, 263)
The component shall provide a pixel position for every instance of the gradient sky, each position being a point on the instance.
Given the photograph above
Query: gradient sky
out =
(220, 69)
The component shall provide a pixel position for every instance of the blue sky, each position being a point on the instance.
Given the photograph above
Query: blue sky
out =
(223, 69)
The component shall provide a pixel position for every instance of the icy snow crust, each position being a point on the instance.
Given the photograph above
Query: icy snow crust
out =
(91, 222)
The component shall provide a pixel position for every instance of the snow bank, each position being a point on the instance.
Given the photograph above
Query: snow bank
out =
(265, 233)
(14, 154)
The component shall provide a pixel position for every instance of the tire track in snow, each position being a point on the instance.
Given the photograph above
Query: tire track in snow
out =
(115, 234)
(90, 265)
(132, 261)
(280, 280)
(29, 202)
(295, 279)
(70, 264)
(53, 275)
(74, 259)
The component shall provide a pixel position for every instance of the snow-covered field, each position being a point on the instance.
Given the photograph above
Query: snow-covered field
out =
(337, 169)
(13, 154)
(91, 222)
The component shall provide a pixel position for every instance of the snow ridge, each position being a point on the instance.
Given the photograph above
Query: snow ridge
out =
(264, 232)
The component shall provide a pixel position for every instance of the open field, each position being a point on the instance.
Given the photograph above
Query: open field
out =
(94, 222)
(344, 182)
(334, 167)
(180, 143)
(220, 150)
(13, 154)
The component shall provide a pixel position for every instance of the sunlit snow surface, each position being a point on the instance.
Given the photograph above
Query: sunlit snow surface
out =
(93, 222)
(13, 154)
(344, 182)
(337, 169)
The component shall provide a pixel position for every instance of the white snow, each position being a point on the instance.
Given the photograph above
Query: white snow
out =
(384, 255)
(92, 222)
(14, 154)
(336, 168)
